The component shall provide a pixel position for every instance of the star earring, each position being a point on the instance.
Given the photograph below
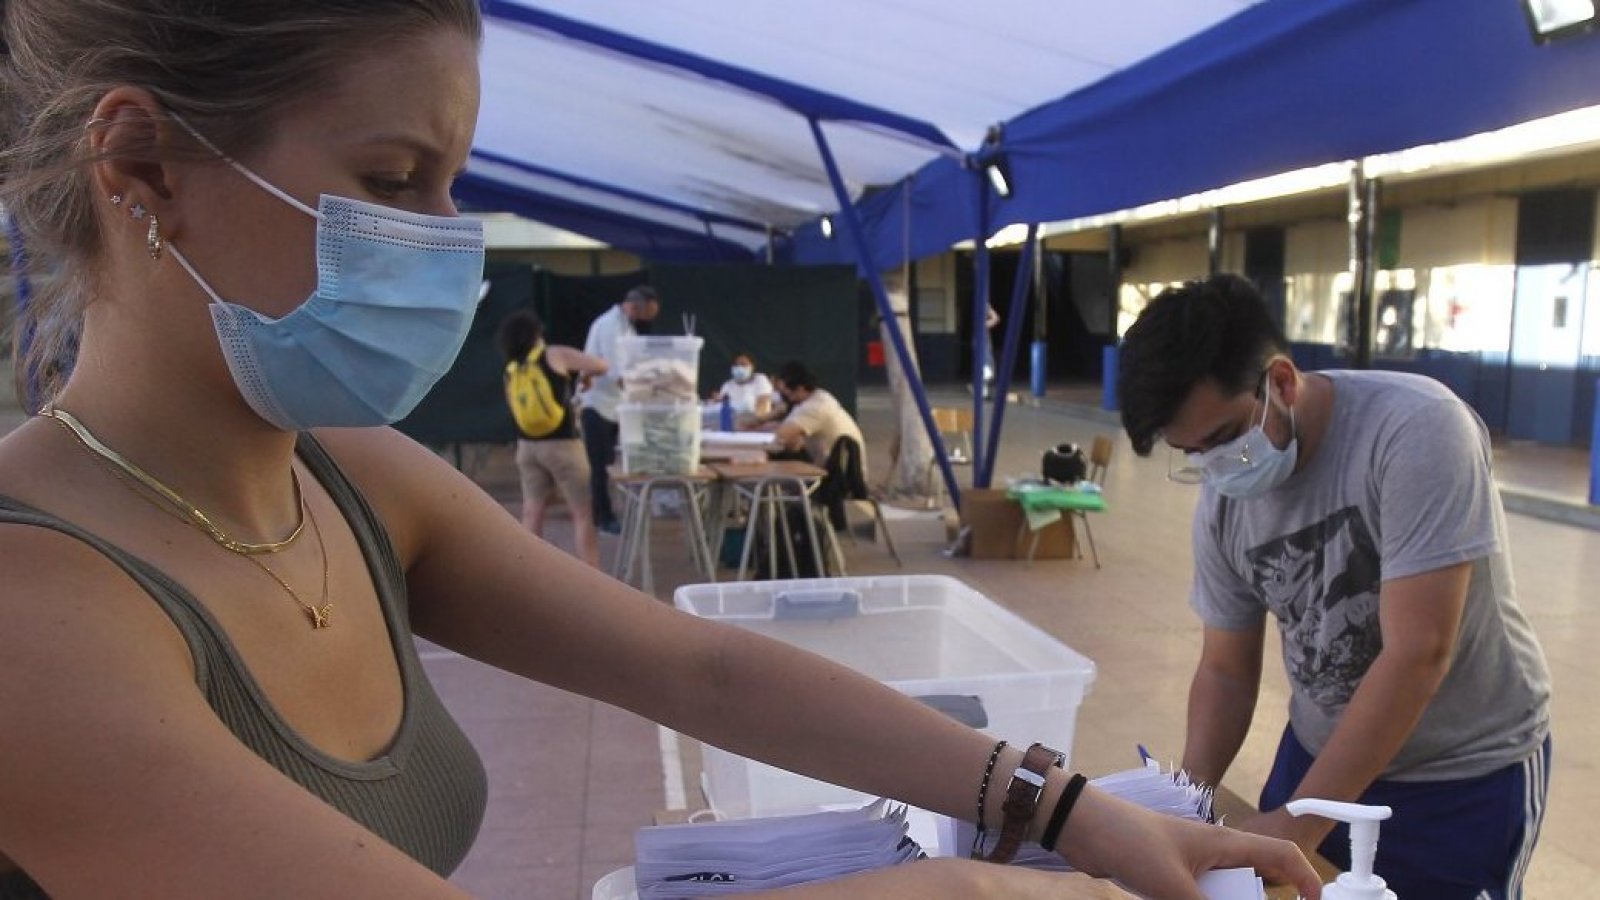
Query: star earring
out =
(137, 211)
(116, 199)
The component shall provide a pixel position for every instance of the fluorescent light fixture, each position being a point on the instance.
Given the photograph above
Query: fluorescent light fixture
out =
(1286, 184)
(1553, 19)
(1009, 236)
(1573, 129)
(999, 174)
(827, 228)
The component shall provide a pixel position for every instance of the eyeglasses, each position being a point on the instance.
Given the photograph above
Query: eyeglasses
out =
(1185, 473)
(1188, 473)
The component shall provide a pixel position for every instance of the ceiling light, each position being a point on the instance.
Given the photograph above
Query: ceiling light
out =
(1553, 19)
(827, 228)
(998, 172)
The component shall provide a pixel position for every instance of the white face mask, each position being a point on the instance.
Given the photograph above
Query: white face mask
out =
(1249, 465)
(742, 373)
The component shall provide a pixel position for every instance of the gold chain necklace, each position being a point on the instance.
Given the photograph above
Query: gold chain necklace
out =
(321, 613)
(171, 497)
(146, 486)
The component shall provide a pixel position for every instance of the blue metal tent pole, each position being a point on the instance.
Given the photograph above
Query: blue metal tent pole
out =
(891, 323)
(980, 321)
(1008, 356)
(19, 270)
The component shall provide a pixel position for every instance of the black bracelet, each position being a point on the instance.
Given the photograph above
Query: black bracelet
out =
(983, 793)
(1064, 804)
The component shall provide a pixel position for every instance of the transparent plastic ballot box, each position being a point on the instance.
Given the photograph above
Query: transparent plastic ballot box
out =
(928, 636)
(659, 368)
(659, 438)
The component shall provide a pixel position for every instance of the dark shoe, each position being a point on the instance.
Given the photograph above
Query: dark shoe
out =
(610, 526)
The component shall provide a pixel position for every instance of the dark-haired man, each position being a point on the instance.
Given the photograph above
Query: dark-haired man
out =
(636, 314)
(815, 419)
(1359, 509)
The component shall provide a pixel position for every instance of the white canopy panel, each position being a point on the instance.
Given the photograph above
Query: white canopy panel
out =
(605, 117)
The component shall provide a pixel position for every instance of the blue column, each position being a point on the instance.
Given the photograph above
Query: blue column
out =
(1040, 362)
(1594, 451)
(1008, 355)
(891, 322)
(1108, 377)
(980, 323)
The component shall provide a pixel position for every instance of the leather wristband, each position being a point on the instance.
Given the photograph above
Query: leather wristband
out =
(1022, 800)
(1058, 818)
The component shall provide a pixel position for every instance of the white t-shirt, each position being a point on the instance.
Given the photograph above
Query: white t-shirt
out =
(824, 421)
(605, 391)
(742, 396)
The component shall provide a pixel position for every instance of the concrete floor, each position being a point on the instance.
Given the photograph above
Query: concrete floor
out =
(550, 836)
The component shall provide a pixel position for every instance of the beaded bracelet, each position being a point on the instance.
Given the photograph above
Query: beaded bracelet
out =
(983, 793)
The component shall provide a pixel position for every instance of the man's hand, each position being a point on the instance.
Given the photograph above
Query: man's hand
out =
(1306, 831)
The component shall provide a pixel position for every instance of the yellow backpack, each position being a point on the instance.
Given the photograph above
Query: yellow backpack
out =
(534, 404)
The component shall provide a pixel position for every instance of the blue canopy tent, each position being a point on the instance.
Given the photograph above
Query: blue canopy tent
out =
(1101, 107)
(1283, 85)
(692, 130)
(666, 113)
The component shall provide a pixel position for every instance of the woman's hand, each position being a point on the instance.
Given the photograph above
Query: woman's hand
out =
(1160, 856)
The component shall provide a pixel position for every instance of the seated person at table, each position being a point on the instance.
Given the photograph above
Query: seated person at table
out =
(815, 420)
(749, 392)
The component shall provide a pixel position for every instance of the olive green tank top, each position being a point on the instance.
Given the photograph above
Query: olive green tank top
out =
(425, 794)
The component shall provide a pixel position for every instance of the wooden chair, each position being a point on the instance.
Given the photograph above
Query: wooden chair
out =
(842, 486)
(956, 421)
(952, 421)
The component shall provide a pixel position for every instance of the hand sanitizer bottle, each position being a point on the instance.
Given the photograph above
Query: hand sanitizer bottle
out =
(1359, 883)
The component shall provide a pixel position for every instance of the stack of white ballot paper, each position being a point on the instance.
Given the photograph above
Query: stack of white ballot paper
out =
(718, 859)
(1170, 793)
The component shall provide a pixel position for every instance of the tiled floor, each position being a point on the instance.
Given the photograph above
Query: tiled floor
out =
(571, 780)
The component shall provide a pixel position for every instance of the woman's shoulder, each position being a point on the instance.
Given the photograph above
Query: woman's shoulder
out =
(407, 484)
(66, 600)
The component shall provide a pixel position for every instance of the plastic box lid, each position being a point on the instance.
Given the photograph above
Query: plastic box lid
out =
(631, 348)
(912, 631)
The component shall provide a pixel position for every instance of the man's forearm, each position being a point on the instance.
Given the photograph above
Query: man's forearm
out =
(1220, 710)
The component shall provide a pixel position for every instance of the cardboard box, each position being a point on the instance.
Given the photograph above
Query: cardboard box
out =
(998, 532)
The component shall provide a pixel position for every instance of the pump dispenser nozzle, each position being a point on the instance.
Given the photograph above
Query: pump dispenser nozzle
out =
(1359, 883)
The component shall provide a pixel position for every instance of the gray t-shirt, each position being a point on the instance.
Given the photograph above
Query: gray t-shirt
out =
(1400, 486)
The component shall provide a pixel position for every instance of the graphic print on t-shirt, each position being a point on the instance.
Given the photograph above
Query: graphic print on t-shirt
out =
(1322, 583)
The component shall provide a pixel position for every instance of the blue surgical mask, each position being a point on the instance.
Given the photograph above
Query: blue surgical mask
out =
(1249, 465)
(395, 296)
(742, 373)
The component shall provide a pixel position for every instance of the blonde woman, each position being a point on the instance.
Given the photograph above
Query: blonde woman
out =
(215, 555)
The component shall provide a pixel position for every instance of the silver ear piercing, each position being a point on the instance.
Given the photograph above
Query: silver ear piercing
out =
(153, 241)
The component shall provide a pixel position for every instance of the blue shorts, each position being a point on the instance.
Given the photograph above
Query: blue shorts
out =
(1465, 839)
